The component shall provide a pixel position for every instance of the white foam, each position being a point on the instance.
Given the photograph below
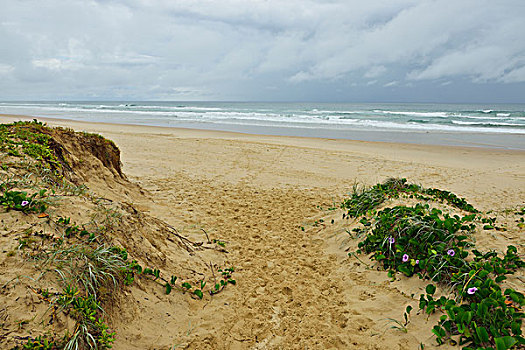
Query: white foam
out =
(415, 114)
(315, 111)
(299, 118)
(459, 122)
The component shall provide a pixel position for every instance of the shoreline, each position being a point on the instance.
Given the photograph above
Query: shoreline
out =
(333, 164)
(246, 134)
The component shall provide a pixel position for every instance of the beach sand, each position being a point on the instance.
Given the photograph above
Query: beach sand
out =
(295, 289)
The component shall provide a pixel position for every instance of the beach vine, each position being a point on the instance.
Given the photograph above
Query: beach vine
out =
(30, 138)
(418, 240)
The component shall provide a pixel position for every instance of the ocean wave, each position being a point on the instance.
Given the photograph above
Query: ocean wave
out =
(414, 114)
(316, 112)
(275, 115)
(488, 124)
(176, 108)
(418, 121)
(484, 117)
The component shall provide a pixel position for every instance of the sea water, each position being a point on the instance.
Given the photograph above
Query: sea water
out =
(495, 126)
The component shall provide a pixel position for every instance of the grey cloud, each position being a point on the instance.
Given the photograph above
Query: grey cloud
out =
(235, 49)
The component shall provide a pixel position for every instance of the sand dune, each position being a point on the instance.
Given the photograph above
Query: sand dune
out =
(296, 289)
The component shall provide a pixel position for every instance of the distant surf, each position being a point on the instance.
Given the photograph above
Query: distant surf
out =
(290, 118)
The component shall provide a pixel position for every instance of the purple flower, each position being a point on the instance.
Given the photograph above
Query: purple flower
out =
(451, 252)
(417, 261)
(391, 240)
(471, 290)
(24, 203)
(405, 257)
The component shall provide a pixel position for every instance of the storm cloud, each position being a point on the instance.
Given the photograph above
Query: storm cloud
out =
(390, 50)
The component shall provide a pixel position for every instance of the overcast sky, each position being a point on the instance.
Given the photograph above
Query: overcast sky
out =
(273, 50)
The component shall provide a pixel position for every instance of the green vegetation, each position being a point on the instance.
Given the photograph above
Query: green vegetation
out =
(41, 343)
(89, 272)
(365, 199)
(31, 139)
(171, 283)
(21, 201)
(424, 241)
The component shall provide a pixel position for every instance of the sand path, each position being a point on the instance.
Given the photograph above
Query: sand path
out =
(292, 292)
(297, 289)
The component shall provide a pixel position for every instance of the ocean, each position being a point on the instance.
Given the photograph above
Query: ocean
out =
(493, 126)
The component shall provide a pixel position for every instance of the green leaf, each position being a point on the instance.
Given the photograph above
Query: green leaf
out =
(436, 332)
(500, 278)
(483, 273)
(408, 309)
(504, 343)
(482, 334)
(451, 314)
(405, 270)
(430, 289)
(515, 297)
(168, 288)
(466, 332)
(467, 317)
(515, 327)
(198, 293)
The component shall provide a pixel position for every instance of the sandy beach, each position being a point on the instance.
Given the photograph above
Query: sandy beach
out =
(296, 289)
(490, 178)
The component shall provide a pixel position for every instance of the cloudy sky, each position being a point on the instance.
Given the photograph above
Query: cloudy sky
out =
(268, 50)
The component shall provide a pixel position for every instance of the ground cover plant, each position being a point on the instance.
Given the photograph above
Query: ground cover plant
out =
(31, 139)
(424, 241)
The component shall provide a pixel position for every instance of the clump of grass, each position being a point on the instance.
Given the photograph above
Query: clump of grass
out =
(363, 200)
(88, 273)
(401, 325)
(418, 240)
(90, 331)
(104, 217)
(87, 266)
